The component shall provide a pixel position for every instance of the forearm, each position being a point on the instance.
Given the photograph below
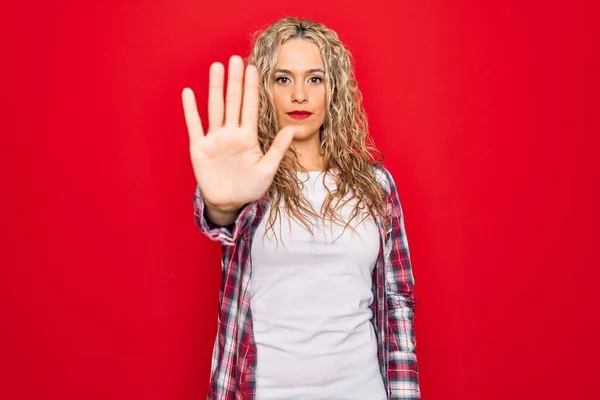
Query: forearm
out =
(403, 370)
(221, 216)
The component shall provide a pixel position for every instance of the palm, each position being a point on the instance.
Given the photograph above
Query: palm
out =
(228, 164)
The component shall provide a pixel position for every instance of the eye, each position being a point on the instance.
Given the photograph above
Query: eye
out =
(315, 79)
(282, 79)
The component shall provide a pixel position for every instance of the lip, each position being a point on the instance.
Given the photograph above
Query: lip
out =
(299, 114)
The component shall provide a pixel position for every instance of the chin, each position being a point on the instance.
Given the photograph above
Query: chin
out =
(306, 132)
(303, 135)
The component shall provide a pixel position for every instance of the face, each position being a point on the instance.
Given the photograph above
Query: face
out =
(299, 88)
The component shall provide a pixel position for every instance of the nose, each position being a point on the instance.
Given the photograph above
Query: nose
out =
(299, 94)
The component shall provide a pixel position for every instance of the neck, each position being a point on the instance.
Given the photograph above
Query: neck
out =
(309, 153)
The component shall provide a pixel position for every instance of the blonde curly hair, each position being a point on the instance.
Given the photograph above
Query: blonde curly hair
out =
(346, 145)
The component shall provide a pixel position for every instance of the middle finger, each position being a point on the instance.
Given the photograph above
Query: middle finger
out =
(215, 97)
(233, 98)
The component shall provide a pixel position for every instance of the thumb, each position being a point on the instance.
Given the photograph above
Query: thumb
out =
(283, 140)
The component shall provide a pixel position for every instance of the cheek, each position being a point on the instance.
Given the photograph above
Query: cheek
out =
(322, 107)
(320, 99)
(277, 100)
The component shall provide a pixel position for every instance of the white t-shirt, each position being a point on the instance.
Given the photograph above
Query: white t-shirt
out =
(309, 298)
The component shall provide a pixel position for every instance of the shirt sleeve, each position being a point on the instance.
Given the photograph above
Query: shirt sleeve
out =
(403, 374)
(227, 235)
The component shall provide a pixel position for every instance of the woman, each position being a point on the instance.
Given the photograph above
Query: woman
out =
(317, 288)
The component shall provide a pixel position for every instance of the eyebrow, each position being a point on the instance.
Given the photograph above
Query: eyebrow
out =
(308, 71)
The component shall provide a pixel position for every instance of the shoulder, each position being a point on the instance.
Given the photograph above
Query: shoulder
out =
(384, 178)
(387, 183)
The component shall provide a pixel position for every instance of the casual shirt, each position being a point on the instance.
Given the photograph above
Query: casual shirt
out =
(234, 358)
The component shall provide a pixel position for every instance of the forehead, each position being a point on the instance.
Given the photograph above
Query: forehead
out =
(299, 54)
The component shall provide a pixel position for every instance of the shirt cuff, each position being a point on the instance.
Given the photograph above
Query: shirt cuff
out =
(227, 235)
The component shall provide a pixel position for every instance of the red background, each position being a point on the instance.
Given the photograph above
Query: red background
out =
(487, 115)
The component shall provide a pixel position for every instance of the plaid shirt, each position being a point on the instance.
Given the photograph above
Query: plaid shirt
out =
(234, 354)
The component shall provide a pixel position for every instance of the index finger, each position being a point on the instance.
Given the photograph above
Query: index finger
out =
(192, 118)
